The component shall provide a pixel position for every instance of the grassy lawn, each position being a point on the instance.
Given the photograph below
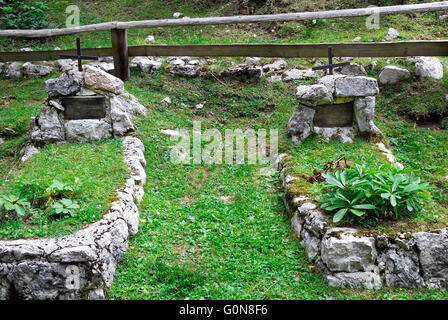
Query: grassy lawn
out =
(98, 166)
(194, 245)
(100, 170)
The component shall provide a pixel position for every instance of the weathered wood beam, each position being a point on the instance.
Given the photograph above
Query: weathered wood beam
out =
(45, 33)
(382, 49)
(120, 53)
(346, 13)
(51, 54)
(359, 12)
(307, 50)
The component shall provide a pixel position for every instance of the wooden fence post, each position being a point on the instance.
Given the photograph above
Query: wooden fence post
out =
(120, 53)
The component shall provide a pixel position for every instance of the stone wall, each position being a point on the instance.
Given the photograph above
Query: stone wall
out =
(335, 90)
(52, 126)
(81, 265)
(348, 259)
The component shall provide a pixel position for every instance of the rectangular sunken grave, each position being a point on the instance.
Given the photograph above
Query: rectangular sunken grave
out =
(84, 107)
(334, 115)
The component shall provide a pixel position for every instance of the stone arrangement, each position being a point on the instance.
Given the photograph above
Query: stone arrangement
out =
(81, 265)
(84, 106)
(350, 259)
(336, 107)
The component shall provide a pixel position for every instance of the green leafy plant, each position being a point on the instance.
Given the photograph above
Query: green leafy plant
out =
(13, 206)
(64, 207)
(30, 190)
(362, 190)
(21, 14)
(59, 189)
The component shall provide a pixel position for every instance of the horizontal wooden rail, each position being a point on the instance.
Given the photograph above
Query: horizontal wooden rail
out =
(51, 55)
(356, 49)
(383, 49)
(400, 9)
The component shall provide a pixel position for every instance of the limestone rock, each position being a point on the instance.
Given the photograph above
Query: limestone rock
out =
(354, 69)
(134, 107)
(35, 70)
(253, 61)
(64, 85)
(242, 72)
(343, 252)
(329, 81)
(97, 294)
(392, 75)
(150, 39)
(87, 130)
(149, 66)
(355, 280)
(27, 152)
(364, 114)
(178, 67)
(296, 74)
(96, 78)
(300, 125)
(47, 126)
(13, 70)
(275, 78)
(108, 67)
(314, 220)
(343, 134)
(311, 244)
(392, 34)
(356, 87)
(430, 67)
(121, 122)
(109, 59)
(401, 268)
(166, 102)
(313, 95)
(277, 65)
(66, 64)
(433, 249)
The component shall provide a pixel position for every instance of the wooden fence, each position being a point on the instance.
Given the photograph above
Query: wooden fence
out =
(121, 51)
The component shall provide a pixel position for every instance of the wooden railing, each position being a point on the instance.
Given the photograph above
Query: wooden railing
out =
(121, 51)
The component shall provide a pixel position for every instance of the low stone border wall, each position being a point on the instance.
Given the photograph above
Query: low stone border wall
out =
(81, 265)
(347, 259)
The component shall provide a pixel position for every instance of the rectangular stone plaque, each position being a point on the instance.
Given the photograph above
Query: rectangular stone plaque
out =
(334, 115)
(84, 107)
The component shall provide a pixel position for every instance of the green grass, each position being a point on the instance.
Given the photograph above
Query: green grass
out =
(100, 168)
(191, 244)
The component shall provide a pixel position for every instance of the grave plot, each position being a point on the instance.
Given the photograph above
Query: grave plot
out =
(70, 180)
(364, 222)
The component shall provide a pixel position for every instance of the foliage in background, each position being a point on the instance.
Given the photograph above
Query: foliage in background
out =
(64, 207)
(12, 206)
(21, 14)
(29, 198)
(362, 190)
